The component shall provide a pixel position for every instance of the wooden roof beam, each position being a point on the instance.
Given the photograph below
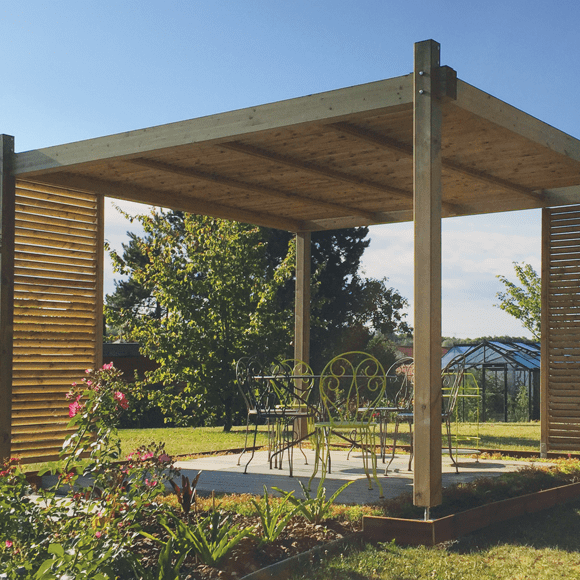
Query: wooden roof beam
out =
(367, 99)
(314, 168)
(173, 201)
(394, 145)
(271, 192)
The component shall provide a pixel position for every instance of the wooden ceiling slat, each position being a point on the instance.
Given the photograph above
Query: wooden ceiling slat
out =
(338, 175)
(224, 180)
(394, 145)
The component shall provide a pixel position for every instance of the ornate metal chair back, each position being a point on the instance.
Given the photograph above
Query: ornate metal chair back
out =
(400, 383)
(349, 382)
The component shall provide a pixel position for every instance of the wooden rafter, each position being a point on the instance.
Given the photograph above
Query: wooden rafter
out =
(315, 168)
(394, 145)
(175, 201)
(238, 184)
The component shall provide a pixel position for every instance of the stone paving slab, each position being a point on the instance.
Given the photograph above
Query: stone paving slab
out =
(222, 474)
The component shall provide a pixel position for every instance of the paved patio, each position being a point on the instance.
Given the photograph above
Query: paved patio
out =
(222, 474)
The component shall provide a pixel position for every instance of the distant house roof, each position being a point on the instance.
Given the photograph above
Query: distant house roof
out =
(516, 355)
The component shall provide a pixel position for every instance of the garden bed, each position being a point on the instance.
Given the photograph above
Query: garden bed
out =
(452, 527)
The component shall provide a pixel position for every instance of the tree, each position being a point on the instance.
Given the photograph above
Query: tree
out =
(523, 302)
(217, 292)
(346, 309)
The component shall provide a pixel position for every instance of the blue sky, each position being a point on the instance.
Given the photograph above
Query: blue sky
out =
(78, 70)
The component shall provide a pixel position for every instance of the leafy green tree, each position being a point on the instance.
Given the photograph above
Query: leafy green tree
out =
(523, 301)
(347, 310)
(217, 293)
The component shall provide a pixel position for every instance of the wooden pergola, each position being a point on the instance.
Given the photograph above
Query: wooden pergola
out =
(417, 147)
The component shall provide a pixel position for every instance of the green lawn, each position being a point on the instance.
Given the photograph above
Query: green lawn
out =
(543, 546)
(189, 440)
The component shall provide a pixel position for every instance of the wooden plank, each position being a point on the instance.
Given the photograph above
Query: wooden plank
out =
(70, 287)
(7, 212)
(99, 327)
(332, 105)
(427, 119)
(302, 310)
(72, 209)
(54, 239)
(181, 202)
(37, 191)
(488, 107)
(46, 253)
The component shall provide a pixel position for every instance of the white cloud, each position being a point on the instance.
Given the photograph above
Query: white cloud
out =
(475, 250)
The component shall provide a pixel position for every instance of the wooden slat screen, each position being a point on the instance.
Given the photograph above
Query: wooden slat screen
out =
(57, 311)
(561, 327)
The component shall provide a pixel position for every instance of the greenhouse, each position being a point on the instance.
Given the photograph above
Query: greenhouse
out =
(508, 379)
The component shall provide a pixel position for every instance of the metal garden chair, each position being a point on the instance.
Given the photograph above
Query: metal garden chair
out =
(349, 382)
(451, 380)
(276, 395)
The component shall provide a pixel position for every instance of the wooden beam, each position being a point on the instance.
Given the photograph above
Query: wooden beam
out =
(7, 219)
(427, 121)
(238, 184)
(394, 145)
(371, 98)
(545, 336)
(315, 168)
(302, 308)
(99, 268)
(302, 297)
(484, 105)
(145, 195)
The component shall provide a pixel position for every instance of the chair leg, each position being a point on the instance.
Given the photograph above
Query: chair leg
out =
(253, 448)
(368, 445)
(394, 446)
(411, 450)
(320, 437)
(246, 440)
(448, 427)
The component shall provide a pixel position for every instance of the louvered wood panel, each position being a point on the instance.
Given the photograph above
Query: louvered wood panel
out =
(57, 311)
(561, 327)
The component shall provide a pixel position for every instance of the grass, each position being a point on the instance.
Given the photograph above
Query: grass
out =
(535, 547)
(188, 440)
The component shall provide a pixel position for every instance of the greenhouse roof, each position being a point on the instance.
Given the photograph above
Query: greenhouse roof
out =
(516, 355)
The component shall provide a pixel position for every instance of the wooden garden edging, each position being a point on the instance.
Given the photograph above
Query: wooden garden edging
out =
(431, 532)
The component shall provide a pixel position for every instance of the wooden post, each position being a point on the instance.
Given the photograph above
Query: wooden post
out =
(302, 309)
(427, 119)
(7, 217)
(545, 336)
(100, 249)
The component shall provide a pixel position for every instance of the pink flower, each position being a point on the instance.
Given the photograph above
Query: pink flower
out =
(98, 534)
(9, 543)
(107, 367)
(164, 458)
(120, 398)
(74, 408)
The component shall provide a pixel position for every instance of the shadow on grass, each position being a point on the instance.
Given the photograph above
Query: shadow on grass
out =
(490, 442)
(557, 528)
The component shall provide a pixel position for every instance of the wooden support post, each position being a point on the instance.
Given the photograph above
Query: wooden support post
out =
(7, 218)
(302, 309)
(427, 119)
(545, 336)
(100, 251)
